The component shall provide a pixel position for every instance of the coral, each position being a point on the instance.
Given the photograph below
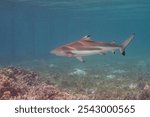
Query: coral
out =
(18, 83)
(78, 72)
(8, 88)
(51, 65)
(110, 76)
(55, 84)
(119, 71)
(132, 86)
(144, 95)
(141, 85)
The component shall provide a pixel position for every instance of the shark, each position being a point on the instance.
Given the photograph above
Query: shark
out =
(86, 46)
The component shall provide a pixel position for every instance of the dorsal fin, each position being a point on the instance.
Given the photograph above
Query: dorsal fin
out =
(113, 42)
(87, 38)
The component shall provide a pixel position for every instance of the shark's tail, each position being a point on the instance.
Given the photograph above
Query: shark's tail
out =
(126, 43)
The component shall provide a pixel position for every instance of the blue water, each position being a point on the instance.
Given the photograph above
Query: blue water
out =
(31, 28)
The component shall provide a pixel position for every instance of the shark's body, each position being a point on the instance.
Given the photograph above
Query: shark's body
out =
(86, 47)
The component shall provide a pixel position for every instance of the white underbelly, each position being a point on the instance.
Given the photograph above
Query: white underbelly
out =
(85, 52)
(109, 49)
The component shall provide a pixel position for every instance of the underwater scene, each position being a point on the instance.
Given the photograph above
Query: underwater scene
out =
(74, 49)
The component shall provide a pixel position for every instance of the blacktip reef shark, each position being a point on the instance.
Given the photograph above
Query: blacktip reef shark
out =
(86, 47)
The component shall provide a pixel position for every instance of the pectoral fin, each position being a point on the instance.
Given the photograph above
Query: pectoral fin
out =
(113, 42)
(80, 59)
(113, 51)
(101, 53)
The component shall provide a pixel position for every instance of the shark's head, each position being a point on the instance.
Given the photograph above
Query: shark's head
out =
(58, 52)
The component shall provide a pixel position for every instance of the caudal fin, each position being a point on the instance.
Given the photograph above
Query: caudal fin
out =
(126, 43)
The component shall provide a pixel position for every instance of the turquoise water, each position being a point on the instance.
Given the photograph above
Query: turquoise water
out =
(30, 29)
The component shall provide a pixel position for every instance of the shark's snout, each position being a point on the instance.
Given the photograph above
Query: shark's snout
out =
(52, 52)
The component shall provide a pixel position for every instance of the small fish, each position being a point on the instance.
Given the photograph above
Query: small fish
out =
(86, 47)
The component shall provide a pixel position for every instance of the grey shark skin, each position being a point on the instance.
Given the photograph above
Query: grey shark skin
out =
(86, 47)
